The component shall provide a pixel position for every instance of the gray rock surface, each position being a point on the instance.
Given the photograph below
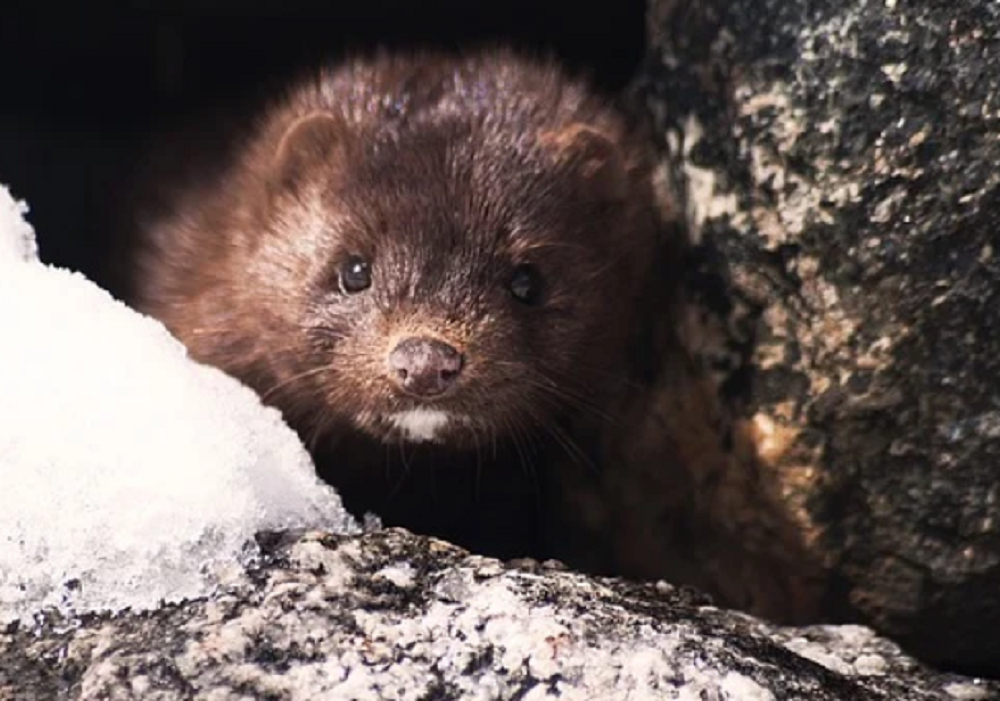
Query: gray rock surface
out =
(389, 615)
(838, 161)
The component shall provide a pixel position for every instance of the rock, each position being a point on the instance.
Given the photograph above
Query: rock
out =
(390, 615)
(838, 161)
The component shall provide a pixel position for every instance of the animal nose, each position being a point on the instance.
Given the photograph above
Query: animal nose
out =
(424, 367)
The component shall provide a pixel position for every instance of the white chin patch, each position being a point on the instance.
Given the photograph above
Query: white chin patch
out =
(420, 425)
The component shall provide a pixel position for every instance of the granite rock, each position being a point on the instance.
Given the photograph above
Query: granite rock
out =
(837, 161)
(390, 615)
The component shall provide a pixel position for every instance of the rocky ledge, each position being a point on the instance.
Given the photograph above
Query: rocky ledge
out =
(390, 615)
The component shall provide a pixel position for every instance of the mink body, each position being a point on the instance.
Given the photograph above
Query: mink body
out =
(438, 267)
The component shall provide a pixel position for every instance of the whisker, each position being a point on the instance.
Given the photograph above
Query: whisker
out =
(479, 461)
(567, 443)
(513, 429)
(405, 473)
(312, 372)
(559, 396)
(520, 432)
(579, 374)
(314, 433)
(582, 371)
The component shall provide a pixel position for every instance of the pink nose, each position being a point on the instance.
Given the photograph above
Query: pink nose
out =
(424, 367)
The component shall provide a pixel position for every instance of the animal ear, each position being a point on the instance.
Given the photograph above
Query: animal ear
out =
(309, 142)
(593, 154)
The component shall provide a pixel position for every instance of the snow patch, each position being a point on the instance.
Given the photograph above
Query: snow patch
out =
(129, 474)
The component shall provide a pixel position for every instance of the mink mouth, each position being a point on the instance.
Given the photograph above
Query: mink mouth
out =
(448, 424)
(425, 424)
(422, 424)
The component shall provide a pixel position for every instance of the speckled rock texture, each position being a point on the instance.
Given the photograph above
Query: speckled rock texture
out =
(394, 616)
(838, 161)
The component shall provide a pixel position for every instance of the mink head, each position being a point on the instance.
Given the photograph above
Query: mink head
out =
(459, 278)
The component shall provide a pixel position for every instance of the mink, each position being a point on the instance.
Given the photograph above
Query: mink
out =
(441, 267)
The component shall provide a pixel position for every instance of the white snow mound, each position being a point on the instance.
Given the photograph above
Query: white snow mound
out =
(129, 474)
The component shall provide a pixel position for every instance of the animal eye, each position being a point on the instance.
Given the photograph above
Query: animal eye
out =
(355, 275)
(526, 284)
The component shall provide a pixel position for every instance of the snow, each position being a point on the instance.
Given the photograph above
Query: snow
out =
(17, 239)
(129, 474)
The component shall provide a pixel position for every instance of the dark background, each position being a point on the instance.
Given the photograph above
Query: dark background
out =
(82, 92)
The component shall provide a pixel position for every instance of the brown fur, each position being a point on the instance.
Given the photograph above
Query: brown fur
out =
(591, 430)
(445, 172)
